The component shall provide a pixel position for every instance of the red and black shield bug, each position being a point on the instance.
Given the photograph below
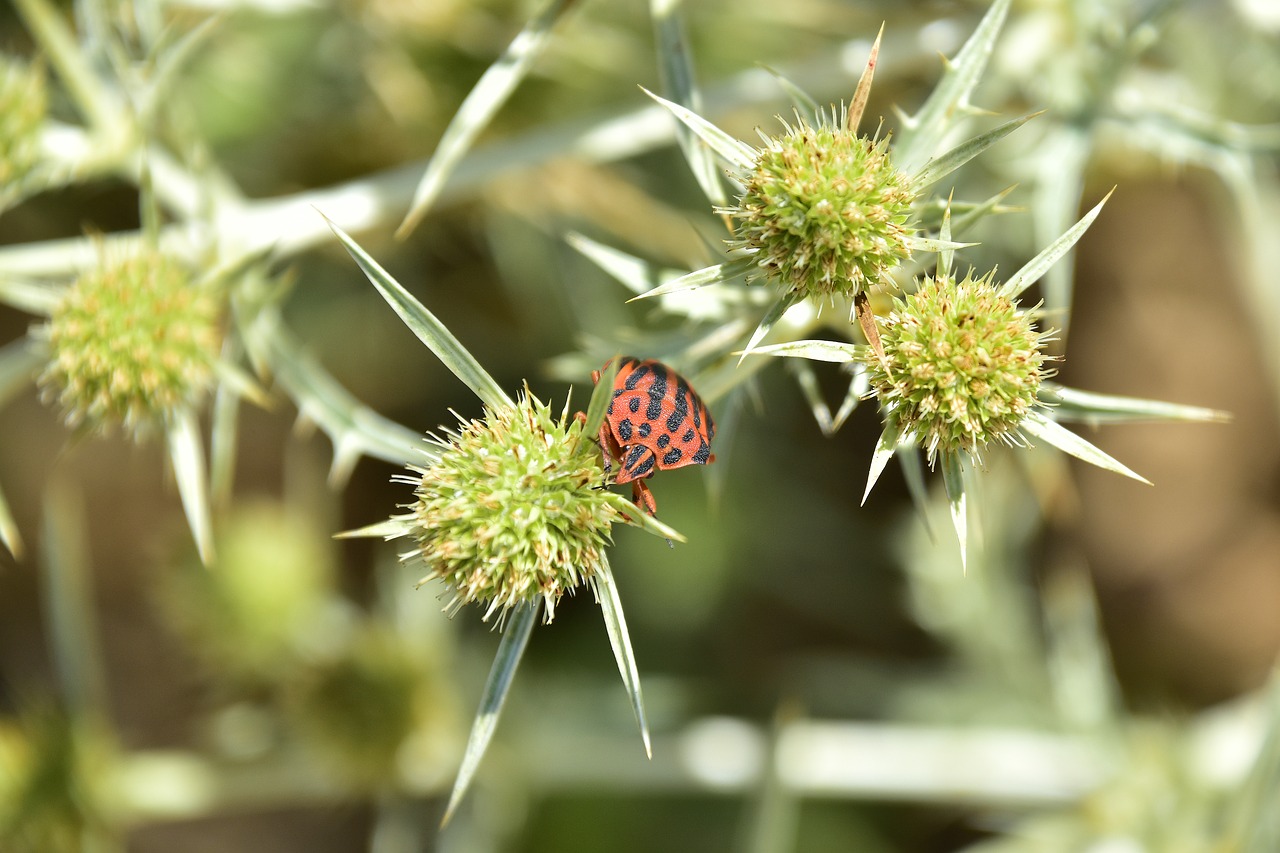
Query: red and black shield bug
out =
(655, 421)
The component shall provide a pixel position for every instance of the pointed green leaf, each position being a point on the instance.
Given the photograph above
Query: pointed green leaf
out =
(859, 385)
(925, 130)
(939, 167)
(9, 529)
(601, 395)
(391, 528)
(479, 107)
(429, 330)
(676, 69)
(771, 317)
(885, 447)
(514, 640)
(620, 640)
(953, 480)
(1038, 265)
(1037, 425)
(719, 273)
(643, 520)
(833, 351)
(737, 154)
(931, 244)
(186, 453)
(946, 257)
(805, 377)
(1091, 408)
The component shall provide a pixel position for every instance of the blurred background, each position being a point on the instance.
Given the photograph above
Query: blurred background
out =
(820, 675)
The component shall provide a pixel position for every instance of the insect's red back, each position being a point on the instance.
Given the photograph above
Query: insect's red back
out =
(657, 420)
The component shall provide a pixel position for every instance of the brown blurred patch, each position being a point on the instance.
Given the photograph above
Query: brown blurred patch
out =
(1189, 571)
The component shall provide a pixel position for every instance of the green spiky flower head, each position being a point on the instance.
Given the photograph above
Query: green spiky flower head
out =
(132, 341)
(23, 104)
(824, 210)
(964, 365)
(511, 511)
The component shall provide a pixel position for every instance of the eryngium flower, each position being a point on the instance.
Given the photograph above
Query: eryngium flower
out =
(132, 341)
(824, 209)
(511, 511)
(964, 365)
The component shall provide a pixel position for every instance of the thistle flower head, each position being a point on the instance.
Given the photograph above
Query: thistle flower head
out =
(511, 511)
(824, 210)
(23, 104)
(964, 365)
(132, 341)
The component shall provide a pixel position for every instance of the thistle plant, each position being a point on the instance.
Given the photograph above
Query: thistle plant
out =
(962, 365)
(509, 513)
(133, 342)
(826, 213)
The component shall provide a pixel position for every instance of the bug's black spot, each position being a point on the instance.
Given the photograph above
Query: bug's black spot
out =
(634, 404)
(657, 392)
(673, 456)
(639, 462)
(644, 429)
(679, 414)
(624, 429)
(703, 454)
(688, 436)
(664, 440)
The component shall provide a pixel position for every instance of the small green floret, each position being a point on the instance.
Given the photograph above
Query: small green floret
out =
(824, 210)
(965, 365)
(23, 104)
(133, 341)
(512, 511)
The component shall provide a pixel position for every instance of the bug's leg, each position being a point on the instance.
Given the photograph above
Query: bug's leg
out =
(642, 496)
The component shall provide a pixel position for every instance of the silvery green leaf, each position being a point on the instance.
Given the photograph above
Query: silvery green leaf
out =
(675, 66)
(939, 167)
(771, 317)
(833, 351)
(601, 396)
(924, 131)
(1091, 408)
(479, 107)
(737, 154)
(953, 480)
(186, 453)
(1038, 426)
(1040, 264)
(391, 528)
(515, 638)
(885, 447)
(620, 640)
(701, 278)
(429, 330)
